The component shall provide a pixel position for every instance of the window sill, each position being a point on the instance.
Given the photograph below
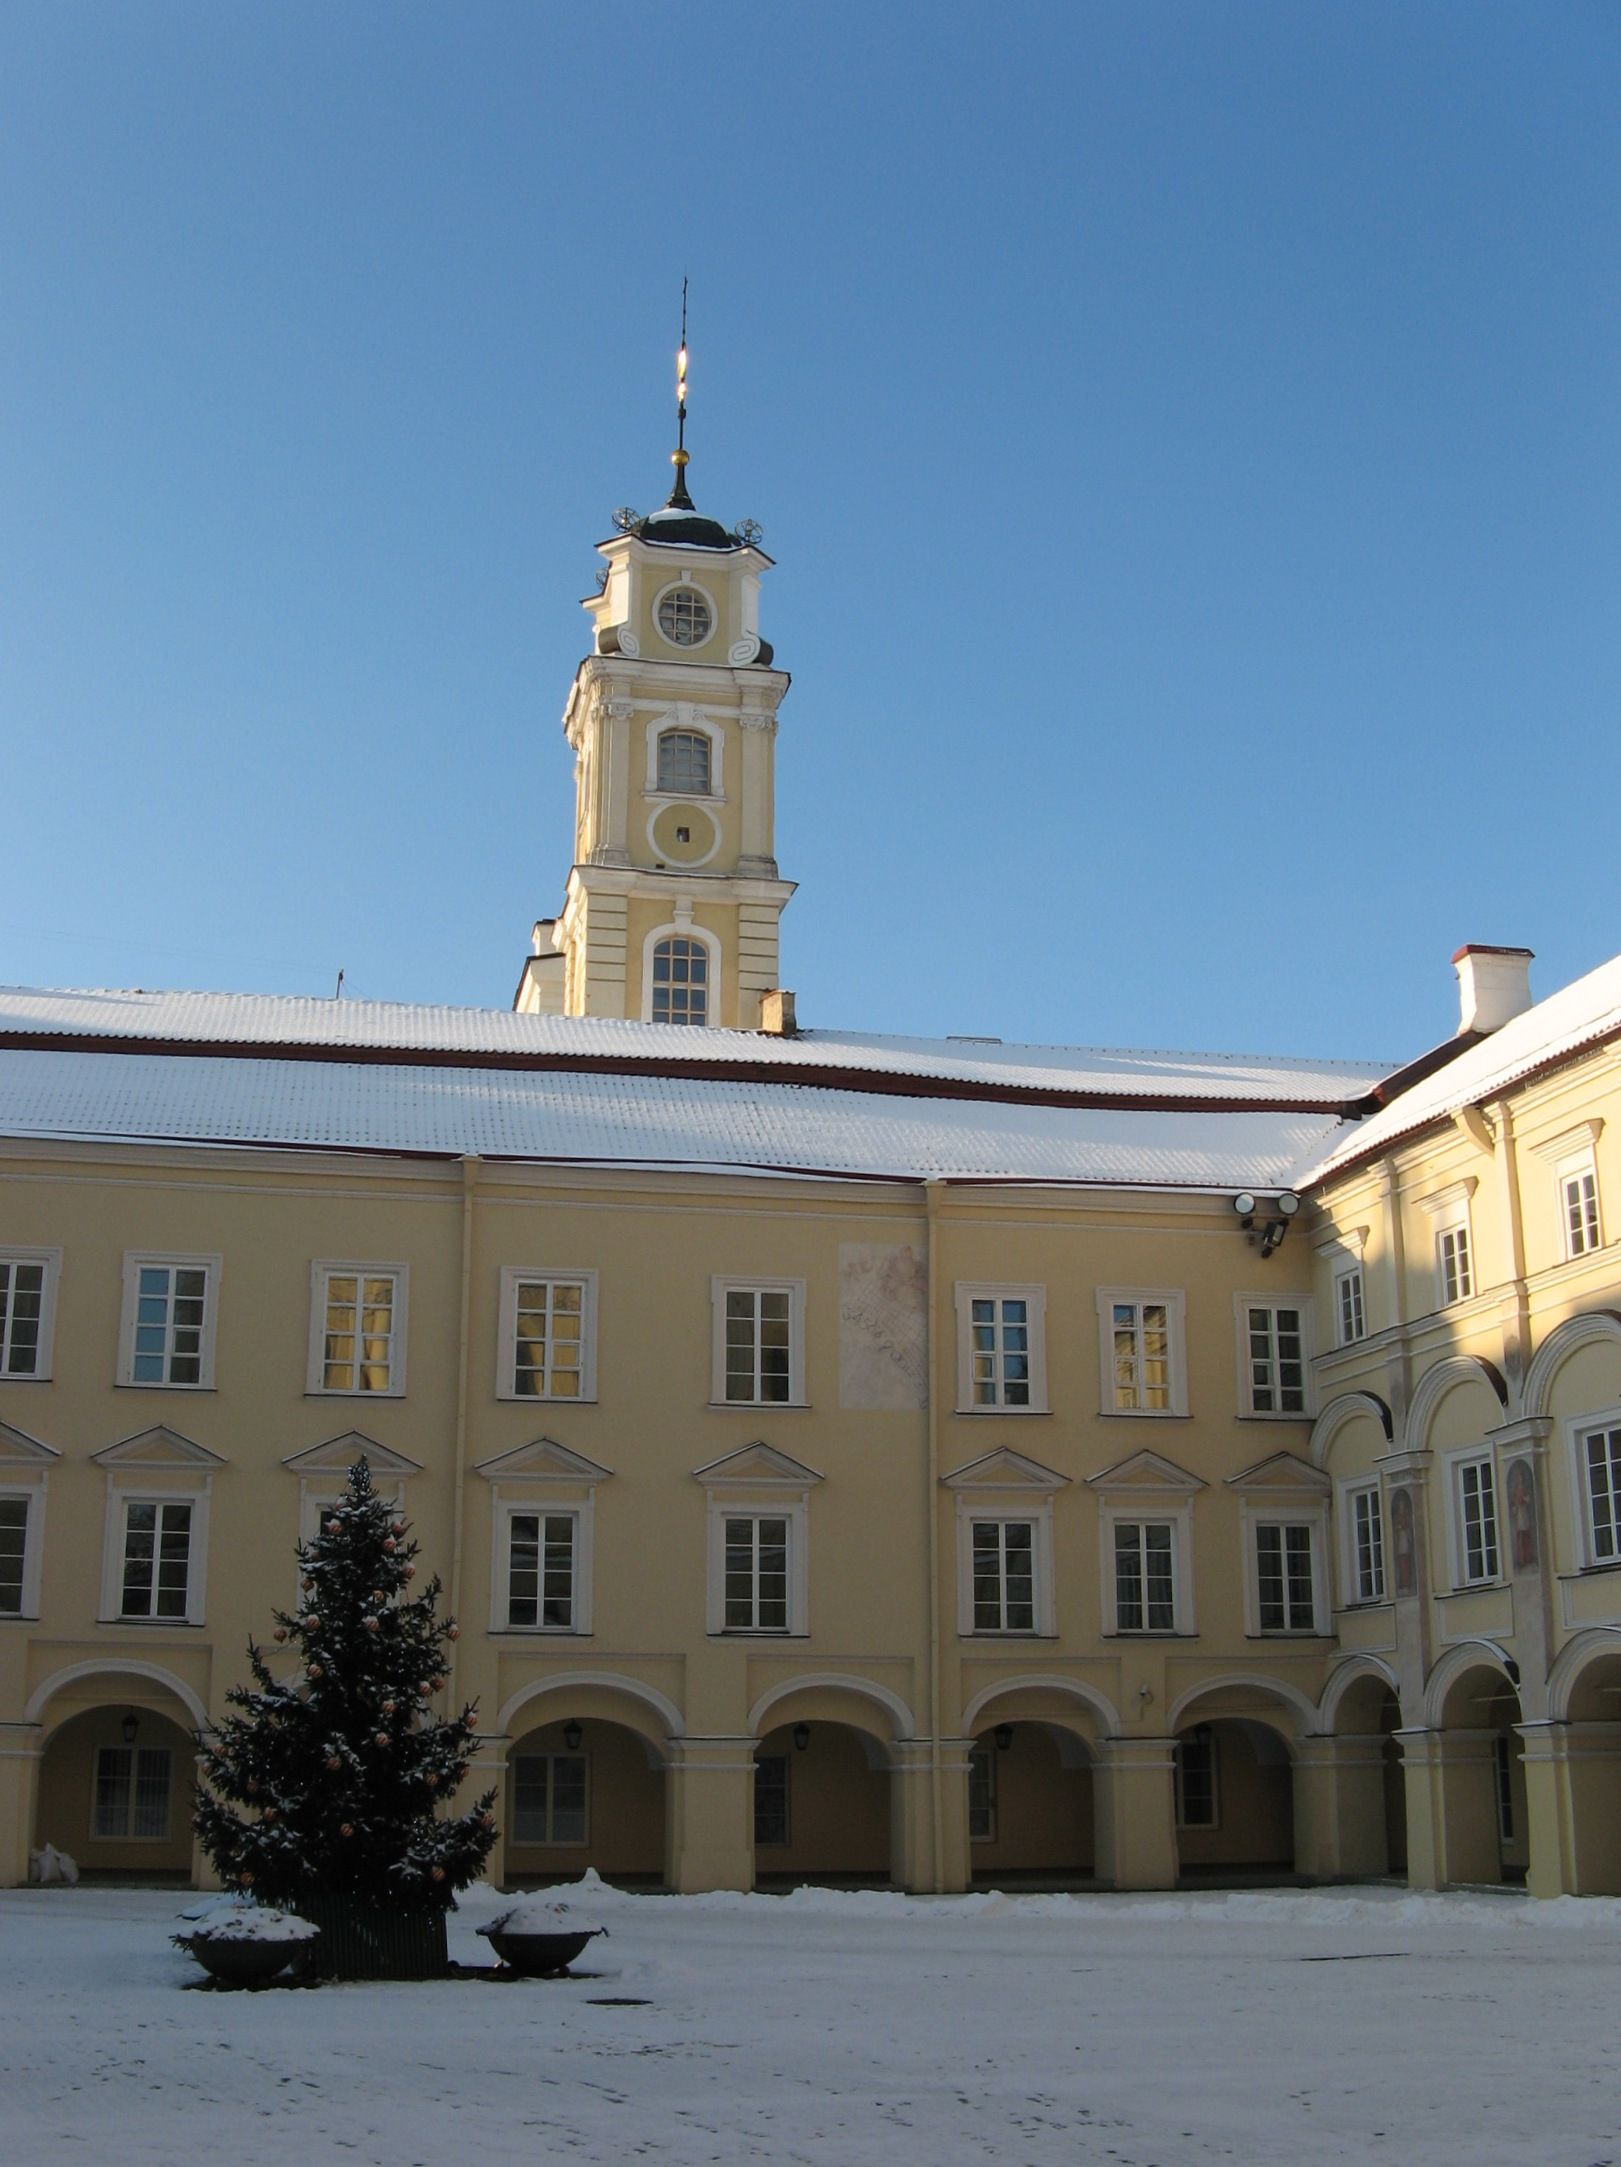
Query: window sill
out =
(1119, 1633)
(141, 1384)
(759, 1407)
(1007, 1632)
(538, 1632)
(1477, 1587)
(1257, 1414)
(1363, 1604)
(1144, 1414)
(19, 1617)
(339, 1392)
(1013, 1413)
(1292, 1632)
(25, 1376)
(538, 1399)
(1592, 1572)
(754, 1632)
(161, 1625)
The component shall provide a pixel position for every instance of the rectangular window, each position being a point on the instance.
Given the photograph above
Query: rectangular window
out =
(1001, 1358)
(1144, 1576)
(1196, 1794)
(759, 1330)
(1601, 1468)
(1141, 1355)
(1578, 1197)
(169, 1322)
(1457, 1270)
(541, 1570)
(24, 1286)
(756, 1574)
(548, 1334)
(981, 1795)
(1503, 1768)
(770, 1799)
(1477, 1521)
(1348, 1306)
(157, 1559)
(132, 1793)
(359, 1326)
(13, 1555)
(1367, 1547)
(1004, 1575)
(1275, 1359)
(549, 1798)
(1285, 1598)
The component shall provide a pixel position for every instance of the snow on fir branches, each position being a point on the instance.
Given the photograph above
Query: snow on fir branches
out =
(340, 1769)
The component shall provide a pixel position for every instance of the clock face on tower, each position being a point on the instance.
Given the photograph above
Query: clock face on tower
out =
(683, 835)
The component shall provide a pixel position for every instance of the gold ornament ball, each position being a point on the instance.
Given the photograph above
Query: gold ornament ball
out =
(409, 1573)
(431, 1780)
(315, 1670)
(347, 1829)
(281, 1632)
(389, 1544)
(438, 1873)
(453, 1632)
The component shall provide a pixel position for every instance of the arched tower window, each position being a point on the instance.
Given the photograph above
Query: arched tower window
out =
(680, 979)
(684, 762)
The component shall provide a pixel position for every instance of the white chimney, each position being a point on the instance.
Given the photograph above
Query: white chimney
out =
(1494, 984)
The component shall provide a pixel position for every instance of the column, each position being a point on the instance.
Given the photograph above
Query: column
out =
(1134, 1801)
(487, 1771)
(20, 1754)
(1452, 1832)
(911, 1815)
(709, 1814)
(1340, 1808)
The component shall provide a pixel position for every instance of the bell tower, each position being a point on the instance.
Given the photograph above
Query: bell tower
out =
(673, 899)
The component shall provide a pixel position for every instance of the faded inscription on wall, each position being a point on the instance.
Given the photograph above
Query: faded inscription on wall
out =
(883, 1331)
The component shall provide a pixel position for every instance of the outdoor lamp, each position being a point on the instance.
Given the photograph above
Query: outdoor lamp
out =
(130, 1725)
(1004, 1736)
(572, 1734)
(801, 1737)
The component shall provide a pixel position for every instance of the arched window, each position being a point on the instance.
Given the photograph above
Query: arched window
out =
(680, 981)
(684, 762)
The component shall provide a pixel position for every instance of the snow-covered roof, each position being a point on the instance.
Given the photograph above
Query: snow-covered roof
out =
(1579, 1015)
(290, 1021)
(641, 1120)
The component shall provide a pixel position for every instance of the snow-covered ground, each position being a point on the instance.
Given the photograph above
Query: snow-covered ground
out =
(846, 2029)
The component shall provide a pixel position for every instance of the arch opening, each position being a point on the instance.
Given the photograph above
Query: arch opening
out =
(1030, 1805)
(1485, 1835)
(583, 1791)
(1593, 1753)
(823, 1806)
(115, 1791)
(1234, 1780)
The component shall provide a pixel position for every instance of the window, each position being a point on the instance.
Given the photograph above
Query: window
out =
(132, 1793)
(1448, 1210)
(27, 1303)
(1599, 1454)
(357, 1328)
(1503, 1770)
(683, 763)
(1141, 1352)
(14, 1576)
(1366, 1533)
(168, 1337)
(1197, 1801)
(1004, 1575)
(1475, 1497)
(541, 1570)
(680, 980)
(1274, 1358)
(759, 1334)
(548, 1335)
(1457, 1272)
(1348, 1305)
(684, 616)
(1578, 1202)
(550, 1798)
(1144, 1576)
(981, 1795)
(157, 1559)
(770, 1799)
(1284, 1578)
(756, 1573)
(1001, 1357)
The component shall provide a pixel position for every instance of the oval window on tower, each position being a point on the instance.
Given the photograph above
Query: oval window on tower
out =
(684, 617)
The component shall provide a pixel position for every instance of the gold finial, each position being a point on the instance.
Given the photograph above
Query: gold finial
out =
(680, 456)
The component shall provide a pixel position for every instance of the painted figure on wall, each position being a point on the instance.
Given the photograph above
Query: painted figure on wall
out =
(1401, 1532)
(1522, 1514)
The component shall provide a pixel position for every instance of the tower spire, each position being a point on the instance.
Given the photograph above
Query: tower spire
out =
(679, 499)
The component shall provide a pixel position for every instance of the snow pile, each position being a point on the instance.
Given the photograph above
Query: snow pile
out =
(536, 1916)
(249, 1922)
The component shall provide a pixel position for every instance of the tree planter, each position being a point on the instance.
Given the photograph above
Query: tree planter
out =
(247, 1946)
(539, 1939)
(359, 1941)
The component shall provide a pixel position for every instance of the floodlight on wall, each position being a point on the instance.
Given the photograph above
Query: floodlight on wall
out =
(1244, 1205)
(1266, 1221)
(128, 1728)
(801, 1737)
(572, 1734)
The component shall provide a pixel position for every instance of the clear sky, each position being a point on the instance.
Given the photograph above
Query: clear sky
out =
(1188, 436)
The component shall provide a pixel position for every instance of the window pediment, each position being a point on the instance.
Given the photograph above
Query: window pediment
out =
(17, 1448)
(339, 1454)
(1005, 1469)
(1146, 1471)
(754, 1467)
(1281, 1474)
(543, 1460)
(157, 1447)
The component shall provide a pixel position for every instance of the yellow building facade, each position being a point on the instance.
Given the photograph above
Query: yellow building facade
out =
(885, 1459)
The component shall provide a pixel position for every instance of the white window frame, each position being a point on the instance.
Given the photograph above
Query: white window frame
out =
(752, 1507)
(128, 1834)
(549, 1842)
(1350, 1291)
(51, 1262)
(1209, 1733)
(120, 1497)
(1272, 1304)
(135, 1262)
(967, 1293)
(1577, 1431)
(29, 1491)
(322, 1271)
(1286, 1513)
(1174, 1302)
(684, 716)
(1449, 1214)
(720, 1286)
(684, 929)
(1471, 1456)
(1148, 1507)
(514, 1276)
(581, 1514)
(685, 582)
(1350, 1554)
(1577, 1168)
(1038, 1517)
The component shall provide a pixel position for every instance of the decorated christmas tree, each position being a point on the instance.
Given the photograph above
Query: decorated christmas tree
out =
(331, 1781)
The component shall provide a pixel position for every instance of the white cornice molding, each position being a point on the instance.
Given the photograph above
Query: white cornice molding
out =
(1570, 1142)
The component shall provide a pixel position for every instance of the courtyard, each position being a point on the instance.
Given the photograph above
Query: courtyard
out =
(847, 2029)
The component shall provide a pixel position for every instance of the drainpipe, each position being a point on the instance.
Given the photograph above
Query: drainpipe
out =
(470, 1170)
(932, 1192)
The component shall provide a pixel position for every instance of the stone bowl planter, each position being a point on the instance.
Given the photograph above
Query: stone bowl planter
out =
(246, 1945)
(539, 1939)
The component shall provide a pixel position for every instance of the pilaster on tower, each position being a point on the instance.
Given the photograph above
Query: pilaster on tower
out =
(674, 898)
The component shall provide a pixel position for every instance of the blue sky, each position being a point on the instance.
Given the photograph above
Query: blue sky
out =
(1188, 436)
